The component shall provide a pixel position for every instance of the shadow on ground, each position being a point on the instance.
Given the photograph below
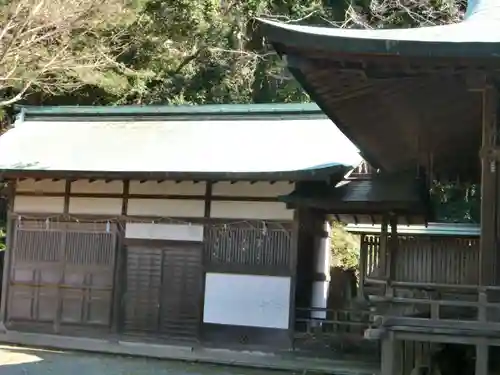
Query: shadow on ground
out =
(24, 361)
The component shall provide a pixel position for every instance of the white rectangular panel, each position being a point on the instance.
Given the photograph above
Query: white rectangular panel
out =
(166, 207)
(247, 300)
(168, 187)
(45, 186)
(39, 204)
(250, 210)
(97, 187)
(248, 189)
(95, 206)
(173, 232)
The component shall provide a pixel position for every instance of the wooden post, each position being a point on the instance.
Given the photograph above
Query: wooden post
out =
(383, 253)
(489, 166)
(120, 266)
(489, 211)
(62, 261)
(297, 222)
(391, 255)
(482, 358)
(7, 261)
(363, 258)
(391, 356)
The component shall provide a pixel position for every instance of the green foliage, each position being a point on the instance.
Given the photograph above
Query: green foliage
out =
(345, 247)
(210, 51)
(456, 202)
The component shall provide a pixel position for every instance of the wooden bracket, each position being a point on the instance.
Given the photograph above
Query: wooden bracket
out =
(476, 80)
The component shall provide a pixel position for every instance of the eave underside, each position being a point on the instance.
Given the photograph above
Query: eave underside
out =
(401, 113)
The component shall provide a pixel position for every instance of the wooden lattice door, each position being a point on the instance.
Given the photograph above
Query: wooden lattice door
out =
(163, 293)
(62, 274)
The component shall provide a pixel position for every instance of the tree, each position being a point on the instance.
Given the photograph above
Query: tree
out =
(56, 46)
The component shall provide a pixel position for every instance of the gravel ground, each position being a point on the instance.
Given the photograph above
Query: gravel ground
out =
(24, 361)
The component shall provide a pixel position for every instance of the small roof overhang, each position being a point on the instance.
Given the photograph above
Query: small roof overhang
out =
(432, 229)
(404, 97)
(73, 144)
(366, 201)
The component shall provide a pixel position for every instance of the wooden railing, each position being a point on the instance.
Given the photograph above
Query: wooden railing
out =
(351, 321)
(465, 310)
(341, 331)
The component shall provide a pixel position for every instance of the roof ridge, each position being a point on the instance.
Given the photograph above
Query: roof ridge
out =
(267, 109)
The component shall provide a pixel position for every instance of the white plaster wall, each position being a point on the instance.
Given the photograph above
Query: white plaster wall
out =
(95, 206)
(250, 210)
(173, 232)
(166, 207)
(247, 189)
(247, 300)
(49, 186)
(99, 187)
(53, 205)
(168, 187)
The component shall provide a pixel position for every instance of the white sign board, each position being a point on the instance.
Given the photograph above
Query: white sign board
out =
(247, 300)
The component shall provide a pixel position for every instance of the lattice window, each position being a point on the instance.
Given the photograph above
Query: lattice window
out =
(265, 244)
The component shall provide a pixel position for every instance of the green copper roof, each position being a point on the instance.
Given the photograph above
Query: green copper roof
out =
(274, 110)
(84, 141)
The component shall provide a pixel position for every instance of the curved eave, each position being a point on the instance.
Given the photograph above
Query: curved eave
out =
(466, 39)
(335, 172)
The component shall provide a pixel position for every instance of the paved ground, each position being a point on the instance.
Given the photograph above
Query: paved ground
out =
(23, 361)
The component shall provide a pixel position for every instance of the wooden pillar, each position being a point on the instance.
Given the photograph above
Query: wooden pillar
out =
(7, 261)
(298, 217)
(482, 358)
(61, 267)
(489, 214)
(391, 255)
(383, 254)
(363, 260)
(119, 281)
(489, 191)
(391, 356)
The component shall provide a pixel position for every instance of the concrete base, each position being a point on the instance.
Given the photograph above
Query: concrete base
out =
(285, 362)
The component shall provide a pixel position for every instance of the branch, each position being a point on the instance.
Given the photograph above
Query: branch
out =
(46, 44)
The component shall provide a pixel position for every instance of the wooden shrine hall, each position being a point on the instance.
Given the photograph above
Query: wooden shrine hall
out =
(423, 100)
